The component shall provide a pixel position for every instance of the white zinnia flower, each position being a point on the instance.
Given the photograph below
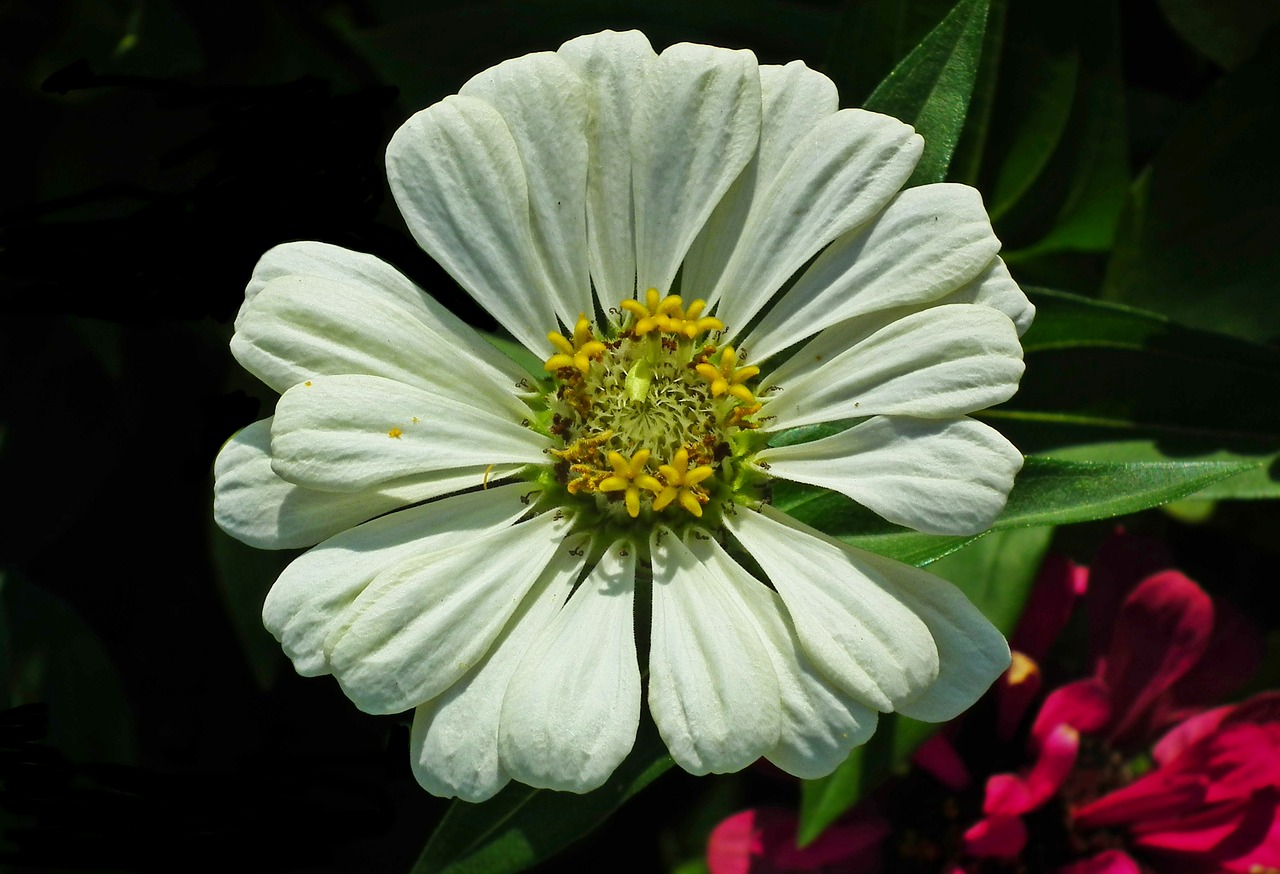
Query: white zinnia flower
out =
(514, 522)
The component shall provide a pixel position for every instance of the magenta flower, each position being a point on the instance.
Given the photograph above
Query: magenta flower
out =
(763, 841)
(1172, 651)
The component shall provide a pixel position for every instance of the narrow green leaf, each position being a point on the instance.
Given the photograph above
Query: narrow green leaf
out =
(1047, 492)
(931, 87)
(966, 164)
(522, 826)
(515, 350)
(1147, 389)
(1075, 205)
(874, 35)
(996, 574)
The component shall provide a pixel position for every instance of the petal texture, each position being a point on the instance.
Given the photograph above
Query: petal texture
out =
(696, 125)
(459, 180)
(351, 433)
(300, 327)
(573, 705)
(927, 242)
(820, 724)
(943, 362)
(712, 688)
(793, 100)
(544, 104)
(306, 605)
(840, 174)
(948, 476)
(257, 507)
(424, 622)
(612, 67)
(846, 613)
(373, 276)
(454, 743)
(972, 654)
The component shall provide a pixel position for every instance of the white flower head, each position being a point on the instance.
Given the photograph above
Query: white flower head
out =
(661, 229)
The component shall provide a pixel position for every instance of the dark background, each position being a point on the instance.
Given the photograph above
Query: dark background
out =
(155, 151)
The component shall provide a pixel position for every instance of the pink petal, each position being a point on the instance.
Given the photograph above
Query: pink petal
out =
(1163, 629)
(1057, 758)
(763, 841)
(1188, 732)
(1234, 654)
(1085, 705)
(1000, 837)
(1060, 583)
(938, 757)
(1117, 567)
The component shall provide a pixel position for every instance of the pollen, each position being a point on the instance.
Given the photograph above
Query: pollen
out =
(728, 378)
(577, 353)
(644, 429)
(681, 484)
(395, 433)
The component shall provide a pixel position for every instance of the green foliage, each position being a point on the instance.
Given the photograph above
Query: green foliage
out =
(1199, 240)
(521, 826)
(931, 86)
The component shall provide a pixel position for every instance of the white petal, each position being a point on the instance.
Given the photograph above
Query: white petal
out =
(457, 175)
(712, 688)
(305, 606)
(820, 723)
(995, 288)
(838, 176)
(299, 327)
(573, 705)
(929, 241)
(454, 744)
(971, 652)
(948, 476)
(696, 125)
(542, 100)
(942, 362)
(612, 67)
(794, 99)
(311, 258)
(253, 505)
(846, 614)
(350, 433)
(422, 623)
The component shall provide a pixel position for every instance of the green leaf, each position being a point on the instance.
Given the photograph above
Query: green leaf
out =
(1076, 202)
(1047, 492)
(996, 574)
(931, 87)
(1198, 238)
(872, 36)
(966, 164)
(1140, 387)
(521, 826)
(515, 350)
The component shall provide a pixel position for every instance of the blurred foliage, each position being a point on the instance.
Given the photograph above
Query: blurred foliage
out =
(1124, 152)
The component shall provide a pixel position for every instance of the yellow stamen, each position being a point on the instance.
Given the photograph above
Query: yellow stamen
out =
(727, 378)
(395, 433)
(668, 316)
(485, 484)
(1021, 669)
(682, 484)
(629, 475)
(577, 354)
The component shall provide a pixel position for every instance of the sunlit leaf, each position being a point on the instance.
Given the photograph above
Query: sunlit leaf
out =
(931, 87)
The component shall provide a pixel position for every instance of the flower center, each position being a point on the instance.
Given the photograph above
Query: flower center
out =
(648, 417)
